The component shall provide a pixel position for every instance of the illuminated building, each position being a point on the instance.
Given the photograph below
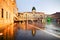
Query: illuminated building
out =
(7, 11)
(31, 15)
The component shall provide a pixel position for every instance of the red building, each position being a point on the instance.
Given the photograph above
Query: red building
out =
(57, 17)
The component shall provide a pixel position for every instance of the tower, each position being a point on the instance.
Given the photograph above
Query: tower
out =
(33, 10)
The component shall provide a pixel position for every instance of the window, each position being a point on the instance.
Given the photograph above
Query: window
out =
(2, 13)
(7, 15)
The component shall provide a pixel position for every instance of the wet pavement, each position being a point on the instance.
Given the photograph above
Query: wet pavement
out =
(53, 28)
(39, 35)
(22, 31)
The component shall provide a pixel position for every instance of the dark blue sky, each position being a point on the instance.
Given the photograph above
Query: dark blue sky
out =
(47, 6)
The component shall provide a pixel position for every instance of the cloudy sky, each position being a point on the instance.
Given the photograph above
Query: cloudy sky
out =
(47, 6)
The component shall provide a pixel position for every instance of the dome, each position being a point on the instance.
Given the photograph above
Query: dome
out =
(33, 8)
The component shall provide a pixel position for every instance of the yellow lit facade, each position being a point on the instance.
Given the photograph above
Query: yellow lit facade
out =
(7, 11)
(31, 15)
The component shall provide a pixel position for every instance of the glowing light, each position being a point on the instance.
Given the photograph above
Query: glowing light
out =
(1, 33)
(48, 20)
(33, 32)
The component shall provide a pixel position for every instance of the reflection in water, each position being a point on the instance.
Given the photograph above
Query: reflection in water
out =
(24, 28)
(33, 32)
(10, 30)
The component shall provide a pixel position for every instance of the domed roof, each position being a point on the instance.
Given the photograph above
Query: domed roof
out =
(33, 8)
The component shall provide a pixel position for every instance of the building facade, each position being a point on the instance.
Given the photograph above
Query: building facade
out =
(7, 10)
(56, 17)
(31, 15)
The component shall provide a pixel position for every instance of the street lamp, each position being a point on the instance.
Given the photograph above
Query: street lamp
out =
(26, 22)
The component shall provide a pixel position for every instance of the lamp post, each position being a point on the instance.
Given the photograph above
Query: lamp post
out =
(26, 22)
(33, 18)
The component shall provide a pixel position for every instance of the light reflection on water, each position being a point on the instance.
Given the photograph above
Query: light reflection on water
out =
(10, 31)
(20, 30)
(7, 33)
